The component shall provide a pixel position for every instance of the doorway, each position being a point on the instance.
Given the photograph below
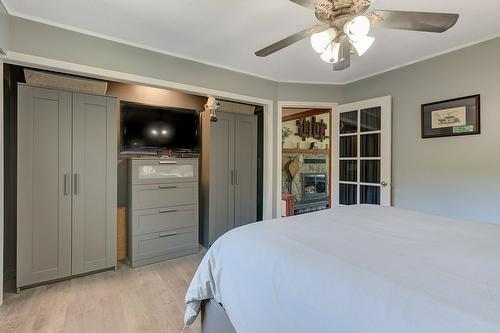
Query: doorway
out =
(360, 152)
(306, 151)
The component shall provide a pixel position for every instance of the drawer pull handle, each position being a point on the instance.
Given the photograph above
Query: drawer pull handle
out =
(167, 162)
(168, 234)
(167, 186)
(67, 185)
(162, 211)
(76, 185)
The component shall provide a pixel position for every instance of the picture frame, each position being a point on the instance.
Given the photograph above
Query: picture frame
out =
(453, 117)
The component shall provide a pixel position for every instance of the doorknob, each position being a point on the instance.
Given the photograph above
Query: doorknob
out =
(383, 183)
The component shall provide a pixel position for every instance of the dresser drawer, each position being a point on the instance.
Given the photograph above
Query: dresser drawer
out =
(164, 195)
(164, 244)
(164, 171)
(164, 219)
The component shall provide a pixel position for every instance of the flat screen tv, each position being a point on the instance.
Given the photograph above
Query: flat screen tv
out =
(147, 129)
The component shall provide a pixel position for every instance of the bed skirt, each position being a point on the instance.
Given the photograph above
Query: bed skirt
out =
(214, 318)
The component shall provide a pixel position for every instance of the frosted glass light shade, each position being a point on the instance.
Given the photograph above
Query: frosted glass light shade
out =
(357, 28)
(362, 45)
(321, 40)
(331, 54)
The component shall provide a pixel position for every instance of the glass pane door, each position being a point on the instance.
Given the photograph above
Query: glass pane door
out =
(363, 171)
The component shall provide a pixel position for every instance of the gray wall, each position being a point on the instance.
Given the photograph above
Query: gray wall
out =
(42, 40)
(458, 176)
(4, 29)
(309, 92)
(51, 42)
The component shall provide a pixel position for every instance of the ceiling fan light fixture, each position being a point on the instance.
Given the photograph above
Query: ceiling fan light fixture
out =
(321, 40)
(362, 45)
(357, 28)
(331, 54)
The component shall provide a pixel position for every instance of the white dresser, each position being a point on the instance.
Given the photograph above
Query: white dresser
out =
(163, 212)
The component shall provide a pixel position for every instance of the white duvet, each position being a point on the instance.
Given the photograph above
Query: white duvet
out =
(355, 269)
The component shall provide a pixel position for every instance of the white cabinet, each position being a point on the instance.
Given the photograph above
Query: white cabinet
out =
(66, 184)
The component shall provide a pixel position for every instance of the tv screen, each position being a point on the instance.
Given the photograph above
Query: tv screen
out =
(150, 128)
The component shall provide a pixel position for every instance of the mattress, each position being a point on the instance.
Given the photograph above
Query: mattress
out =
(354, 269)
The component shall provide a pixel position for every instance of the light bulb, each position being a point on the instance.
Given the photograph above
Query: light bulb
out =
(362, 45)
(321, 40)
(331, 54)
(357, 28)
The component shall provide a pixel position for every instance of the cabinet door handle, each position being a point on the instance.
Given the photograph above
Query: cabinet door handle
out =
(163, 211)
(167, 162)
(67, 188)
(236, 177)
(167, 186)
(232, 177)
(167, 234)
(76, 184)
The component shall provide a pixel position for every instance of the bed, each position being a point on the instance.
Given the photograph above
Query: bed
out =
(351, 269)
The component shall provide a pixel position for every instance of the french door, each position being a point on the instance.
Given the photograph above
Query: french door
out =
(362, 153)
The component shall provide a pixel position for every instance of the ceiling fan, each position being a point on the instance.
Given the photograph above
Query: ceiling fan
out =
(345, 27)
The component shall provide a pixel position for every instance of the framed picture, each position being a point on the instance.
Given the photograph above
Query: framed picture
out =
(459, 116)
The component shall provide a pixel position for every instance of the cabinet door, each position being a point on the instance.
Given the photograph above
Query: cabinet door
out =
(245, 197)
(221, 176)
(43, 185)
(94, 183)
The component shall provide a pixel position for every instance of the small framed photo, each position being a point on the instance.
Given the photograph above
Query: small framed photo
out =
(459, 116)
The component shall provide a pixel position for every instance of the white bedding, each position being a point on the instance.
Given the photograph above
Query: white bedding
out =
(355, 269)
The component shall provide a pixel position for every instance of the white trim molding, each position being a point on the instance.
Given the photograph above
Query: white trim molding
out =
(101, 73)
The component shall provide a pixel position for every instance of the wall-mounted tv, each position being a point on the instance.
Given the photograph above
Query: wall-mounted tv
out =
(147, 128)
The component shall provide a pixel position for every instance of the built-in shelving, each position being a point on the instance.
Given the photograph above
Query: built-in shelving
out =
(306, 151)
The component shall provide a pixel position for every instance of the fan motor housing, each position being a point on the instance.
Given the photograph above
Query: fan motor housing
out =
(338, 12)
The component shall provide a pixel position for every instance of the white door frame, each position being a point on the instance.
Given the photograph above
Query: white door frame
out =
(101, 73)
(279, 156)
(385, 103)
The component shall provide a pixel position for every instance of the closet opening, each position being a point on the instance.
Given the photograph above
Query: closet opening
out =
(247, 164)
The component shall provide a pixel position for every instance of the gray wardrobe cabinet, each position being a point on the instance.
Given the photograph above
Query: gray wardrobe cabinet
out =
(229, 174)
(66, 184)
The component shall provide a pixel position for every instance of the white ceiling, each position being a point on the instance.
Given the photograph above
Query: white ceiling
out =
(226, 33)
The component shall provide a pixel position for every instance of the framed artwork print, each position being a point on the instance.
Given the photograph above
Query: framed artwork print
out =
(459, 116)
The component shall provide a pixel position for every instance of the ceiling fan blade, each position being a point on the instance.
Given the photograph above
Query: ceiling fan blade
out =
(306, 3)
(344, 56)
(417, 21)
(290, 40)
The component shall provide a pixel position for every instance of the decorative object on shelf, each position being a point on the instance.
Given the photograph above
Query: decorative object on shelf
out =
(314, 145)
(459, 116)
(285, 133)
(305, 151)
(166, 153)
(291, 168)
(311, 129)
(212, 106)
(345, 25)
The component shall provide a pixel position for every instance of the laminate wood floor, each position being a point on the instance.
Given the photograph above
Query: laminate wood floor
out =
(145, 299)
